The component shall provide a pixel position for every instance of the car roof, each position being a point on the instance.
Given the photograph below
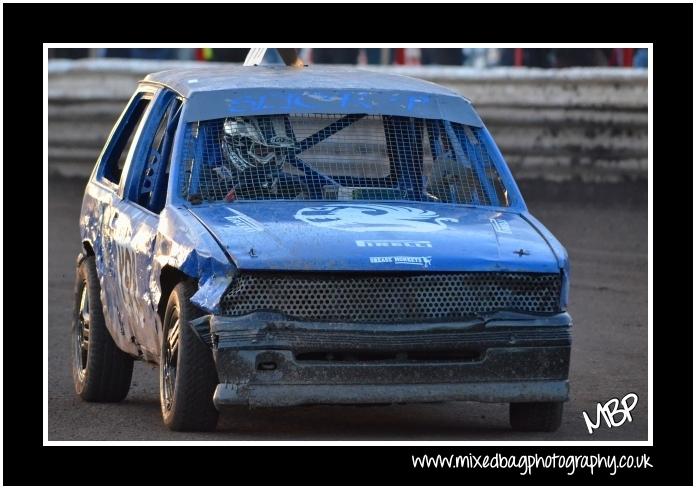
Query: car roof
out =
(187, 81)
(234, 90)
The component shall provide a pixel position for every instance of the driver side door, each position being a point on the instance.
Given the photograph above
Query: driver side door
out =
(130, 230)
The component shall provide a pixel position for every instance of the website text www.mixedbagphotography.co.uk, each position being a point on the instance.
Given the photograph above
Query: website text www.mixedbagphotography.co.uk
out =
(527, 463)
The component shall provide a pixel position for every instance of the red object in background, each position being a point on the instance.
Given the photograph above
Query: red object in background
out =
(519, 56)
(621, 57)
(199, 54)
(399, 56)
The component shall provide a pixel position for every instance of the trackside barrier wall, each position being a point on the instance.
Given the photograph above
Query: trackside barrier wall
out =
(583, 124)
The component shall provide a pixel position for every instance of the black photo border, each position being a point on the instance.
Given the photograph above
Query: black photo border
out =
(28, 26)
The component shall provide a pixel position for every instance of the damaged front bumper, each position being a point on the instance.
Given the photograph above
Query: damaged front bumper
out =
(266, 360)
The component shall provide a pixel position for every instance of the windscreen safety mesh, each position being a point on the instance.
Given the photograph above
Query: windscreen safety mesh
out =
(338, 157)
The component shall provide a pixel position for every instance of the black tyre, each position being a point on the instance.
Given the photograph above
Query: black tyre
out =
(187, 370)
(536, 416)
(101, 371)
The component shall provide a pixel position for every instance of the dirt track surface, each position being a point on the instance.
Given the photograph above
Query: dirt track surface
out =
(609, 304)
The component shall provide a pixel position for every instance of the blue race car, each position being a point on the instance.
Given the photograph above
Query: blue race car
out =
(278, 236)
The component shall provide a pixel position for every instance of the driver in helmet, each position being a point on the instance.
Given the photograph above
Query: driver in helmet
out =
(255, 150)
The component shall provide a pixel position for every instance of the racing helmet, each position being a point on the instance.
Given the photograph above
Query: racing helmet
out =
(255, 149)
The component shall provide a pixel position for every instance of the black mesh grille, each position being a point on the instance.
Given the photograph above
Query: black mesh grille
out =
(392, 298)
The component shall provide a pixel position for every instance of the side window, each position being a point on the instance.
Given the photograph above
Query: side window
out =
(151, 190)
(119, 146)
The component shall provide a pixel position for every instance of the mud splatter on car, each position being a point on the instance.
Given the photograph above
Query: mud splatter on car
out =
(277, 236)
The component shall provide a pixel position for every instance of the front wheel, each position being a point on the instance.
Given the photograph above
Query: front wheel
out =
(536, 416)
(188, 377)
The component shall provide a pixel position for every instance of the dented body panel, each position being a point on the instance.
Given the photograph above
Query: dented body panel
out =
(131, 251)
(147, 234)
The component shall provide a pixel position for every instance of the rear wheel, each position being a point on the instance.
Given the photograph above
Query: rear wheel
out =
(101, 371)
(536, 416)
(188, 377)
